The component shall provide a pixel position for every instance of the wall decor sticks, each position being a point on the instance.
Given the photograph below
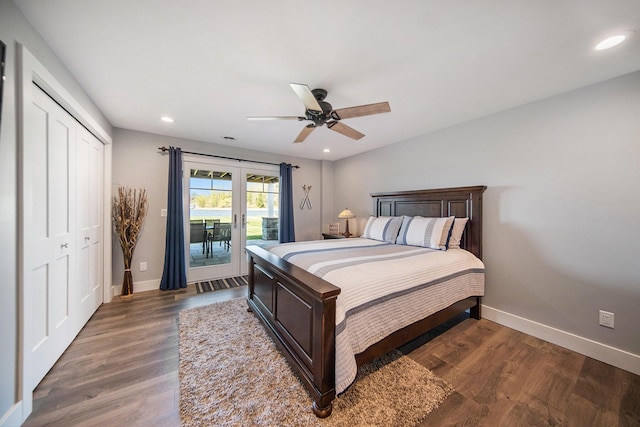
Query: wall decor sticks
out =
(306, 201)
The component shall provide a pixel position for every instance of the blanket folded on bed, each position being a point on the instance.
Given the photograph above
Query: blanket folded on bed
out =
(384, 287)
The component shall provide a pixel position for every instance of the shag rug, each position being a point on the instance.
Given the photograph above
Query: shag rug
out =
(215, 285)
(232, 374)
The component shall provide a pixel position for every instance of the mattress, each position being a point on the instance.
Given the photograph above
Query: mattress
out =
(384, 287)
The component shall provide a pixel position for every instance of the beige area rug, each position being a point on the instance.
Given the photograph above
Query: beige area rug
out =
(231, 374)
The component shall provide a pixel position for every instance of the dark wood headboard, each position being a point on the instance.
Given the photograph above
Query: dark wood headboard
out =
(461, 202)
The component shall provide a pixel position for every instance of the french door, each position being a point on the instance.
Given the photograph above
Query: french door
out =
(226, 207)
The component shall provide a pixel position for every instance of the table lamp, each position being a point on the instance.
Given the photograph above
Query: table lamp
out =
(346, 214)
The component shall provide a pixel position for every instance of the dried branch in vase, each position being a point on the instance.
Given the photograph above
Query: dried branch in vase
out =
(129, 211)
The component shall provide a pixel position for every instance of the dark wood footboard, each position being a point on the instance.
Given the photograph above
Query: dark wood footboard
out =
(298, 310)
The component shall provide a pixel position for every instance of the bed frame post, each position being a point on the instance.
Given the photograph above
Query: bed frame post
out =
(476, 311)
(325, 352)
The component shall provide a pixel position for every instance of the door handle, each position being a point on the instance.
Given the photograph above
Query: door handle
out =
(243, 221)
(235, 220)
(65, 245)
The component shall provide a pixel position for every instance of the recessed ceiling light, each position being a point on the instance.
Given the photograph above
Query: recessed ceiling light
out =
(327, 150)
(229, 138)
(167, 119)
(612, 41)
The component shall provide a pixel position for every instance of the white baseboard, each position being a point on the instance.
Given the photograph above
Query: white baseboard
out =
(13, 417)
(613, 356)
(147, 285)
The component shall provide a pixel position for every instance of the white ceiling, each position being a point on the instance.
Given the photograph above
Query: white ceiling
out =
(211, 63)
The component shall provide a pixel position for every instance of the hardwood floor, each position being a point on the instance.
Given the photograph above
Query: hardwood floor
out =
(122, 370)
(503, 377)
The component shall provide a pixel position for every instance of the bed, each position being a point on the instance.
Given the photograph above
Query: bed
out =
(292, 290)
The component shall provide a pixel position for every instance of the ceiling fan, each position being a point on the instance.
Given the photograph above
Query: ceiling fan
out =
(320, 112)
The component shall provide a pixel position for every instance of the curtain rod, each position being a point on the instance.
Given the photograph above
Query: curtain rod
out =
(165, 149)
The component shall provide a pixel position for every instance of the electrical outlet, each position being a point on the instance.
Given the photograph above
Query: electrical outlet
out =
(606, 319)
(143, 266)
(163, 212)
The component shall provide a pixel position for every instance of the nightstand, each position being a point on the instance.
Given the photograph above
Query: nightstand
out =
(332, 236)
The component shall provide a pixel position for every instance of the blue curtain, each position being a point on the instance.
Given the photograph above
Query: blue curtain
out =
(174, 275)
(287, 231)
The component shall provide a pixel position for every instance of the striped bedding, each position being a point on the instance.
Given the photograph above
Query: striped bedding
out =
(384, 287)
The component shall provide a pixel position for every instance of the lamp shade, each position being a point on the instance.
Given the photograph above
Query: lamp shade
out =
(346, 214)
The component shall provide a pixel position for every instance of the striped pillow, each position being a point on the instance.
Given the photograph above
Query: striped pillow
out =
(384, 228)
(456, 232)
(426, 232)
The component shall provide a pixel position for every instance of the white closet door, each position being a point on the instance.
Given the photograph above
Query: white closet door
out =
(49, 237)
(89, 173)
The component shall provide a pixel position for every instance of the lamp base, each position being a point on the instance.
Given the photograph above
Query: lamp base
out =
(346, 230)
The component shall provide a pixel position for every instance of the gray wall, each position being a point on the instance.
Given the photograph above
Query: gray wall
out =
(329, 211)
(15, 29)
(137, 162)
(562, 208)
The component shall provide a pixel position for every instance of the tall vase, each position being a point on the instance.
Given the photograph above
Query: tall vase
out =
(127, 280)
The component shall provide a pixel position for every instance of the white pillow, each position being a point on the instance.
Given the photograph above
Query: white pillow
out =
(383, 228)
(426, 232)
(456, 232)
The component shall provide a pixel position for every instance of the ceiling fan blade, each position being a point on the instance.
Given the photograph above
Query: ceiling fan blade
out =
(361, 110)
(344, 129)
(276, 118)
(305, 133)
(304, 93)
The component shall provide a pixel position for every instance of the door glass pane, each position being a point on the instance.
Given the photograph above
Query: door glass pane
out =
(210, 217)
(262, 209)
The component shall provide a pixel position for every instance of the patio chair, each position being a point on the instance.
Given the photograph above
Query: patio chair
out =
(225, 235)
(199, 234)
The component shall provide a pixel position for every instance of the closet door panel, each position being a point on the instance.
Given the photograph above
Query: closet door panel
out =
(49, 187)
(38, 195)
(96, 220)
(90, 157)
(82, 221)
(59, 301)
(39, 330)
(60, 172)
